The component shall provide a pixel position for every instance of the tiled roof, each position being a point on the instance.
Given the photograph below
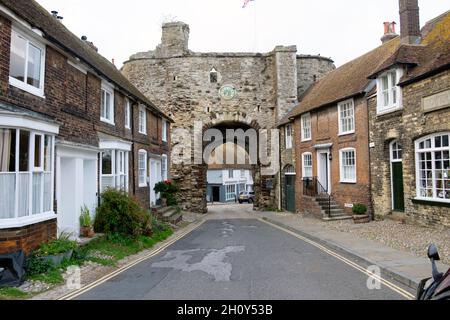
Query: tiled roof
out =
(431, 55)
(56, 32)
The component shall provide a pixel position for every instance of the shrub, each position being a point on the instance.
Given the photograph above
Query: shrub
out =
(168, 190)
(118, 213)
(85, 218)
(359, 209)
(36, 265)
(54, 247)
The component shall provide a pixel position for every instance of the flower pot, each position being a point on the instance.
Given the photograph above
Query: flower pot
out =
(363, 218)
(87, 232)
(57, 259)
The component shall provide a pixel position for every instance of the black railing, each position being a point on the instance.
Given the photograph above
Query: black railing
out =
(313, 188)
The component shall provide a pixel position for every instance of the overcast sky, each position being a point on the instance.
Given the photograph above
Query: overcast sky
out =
(341, 29)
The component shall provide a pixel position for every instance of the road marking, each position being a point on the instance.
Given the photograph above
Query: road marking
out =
(92, 285)
(387, 283)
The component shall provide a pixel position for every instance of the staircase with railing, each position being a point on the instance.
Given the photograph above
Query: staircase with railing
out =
(330, 209)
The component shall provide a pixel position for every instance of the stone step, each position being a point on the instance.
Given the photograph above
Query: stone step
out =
(169, 213)
(332, 206)
(337, 218)
(160, 211)
(175, 219)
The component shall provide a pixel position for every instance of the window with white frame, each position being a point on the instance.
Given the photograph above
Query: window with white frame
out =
(164, 167)
(346, 110)
(348, 165)
(114, 169)
(230, 174)
(107, 105)
(288, 136)
(127, 114)
(396, 152)
(388, 91)
(26, 174)
(307, 165)
(27, 63)
(164, 130)
(230, 192)
(142, 168)
(433, 167)
(142, 120)
(306, 127)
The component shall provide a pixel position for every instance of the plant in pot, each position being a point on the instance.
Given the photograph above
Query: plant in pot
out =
(86, 228)
(360, 213)
(168, 190)
(56, 251)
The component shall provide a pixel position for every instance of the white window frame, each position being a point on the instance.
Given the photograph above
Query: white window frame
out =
(127, 114)
(432, 149)
(230, 174)
(304, 175)
(288, 136)
(341, 119)
(391, 106)
(107, 89)
(144, 172)
(306, 117)
(341, 166)
(30, 217)
(164, 130)
(142, 120)
(117, 172)
(164, 167)
(22, 84)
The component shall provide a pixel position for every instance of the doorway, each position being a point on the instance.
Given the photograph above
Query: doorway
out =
(155, 177)
(323, 171)
(398, 196)
(216, 194)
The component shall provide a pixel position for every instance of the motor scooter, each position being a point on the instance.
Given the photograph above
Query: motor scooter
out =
(438, 286)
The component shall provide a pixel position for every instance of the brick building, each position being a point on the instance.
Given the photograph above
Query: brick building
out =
(410, 123)
(71, 125)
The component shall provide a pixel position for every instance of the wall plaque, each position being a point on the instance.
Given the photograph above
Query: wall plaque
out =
(436, 101)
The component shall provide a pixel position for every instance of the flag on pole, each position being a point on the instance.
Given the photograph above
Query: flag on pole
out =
(246, 3)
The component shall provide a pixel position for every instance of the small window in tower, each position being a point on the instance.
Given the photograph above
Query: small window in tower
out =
(213, 76)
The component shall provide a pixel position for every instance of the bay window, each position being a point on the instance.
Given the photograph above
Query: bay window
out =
(27, 63)
(433, 167)
(26, 174)
(114, 169)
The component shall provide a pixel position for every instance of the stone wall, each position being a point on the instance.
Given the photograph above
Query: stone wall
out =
(407, 126)
(178, 81)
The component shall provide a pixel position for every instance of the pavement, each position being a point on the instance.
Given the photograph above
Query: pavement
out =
(402, 266)
(234, 255)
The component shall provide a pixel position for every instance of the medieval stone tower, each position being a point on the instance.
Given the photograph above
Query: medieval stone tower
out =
(260, 89)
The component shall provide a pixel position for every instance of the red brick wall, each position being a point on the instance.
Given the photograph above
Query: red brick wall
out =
(27, 238)
(325, 129)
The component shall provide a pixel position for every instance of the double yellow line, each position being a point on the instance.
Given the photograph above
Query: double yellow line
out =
(385, 282)
(113, 274)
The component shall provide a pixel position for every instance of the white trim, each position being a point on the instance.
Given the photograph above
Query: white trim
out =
(22, 121)
(340, 105)
(144, 123)
(127, 114)
(303, 165)
(78, 66)
(341, 171)
(109, 89)
(391, 107)
(26, 221)
(38, 44)
(302, 128)
(115, 144)
(327, 152)
(142, 152)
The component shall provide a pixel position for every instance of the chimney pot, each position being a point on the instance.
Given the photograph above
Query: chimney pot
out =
(389, 31)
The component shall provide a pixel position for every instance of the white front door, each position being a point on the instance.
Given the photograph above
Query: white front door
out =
(323, 171)
(155, 177)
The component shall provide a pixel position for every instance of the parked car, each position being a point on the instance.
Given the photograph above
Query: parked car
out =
(246, 196)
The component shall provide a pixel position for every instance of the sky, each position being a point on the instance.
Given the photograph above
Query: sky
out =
(339, 29)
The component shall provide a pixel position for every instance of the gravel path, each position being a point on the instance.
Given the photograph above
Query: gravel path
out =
(397, 235)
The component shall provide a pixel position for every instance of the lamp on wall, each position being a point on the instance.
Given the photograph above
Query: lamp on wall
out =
(330, 156)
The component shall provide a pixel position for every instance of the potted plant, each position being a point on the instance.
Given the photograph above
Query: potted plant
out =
(360, 213)
(56, 251)
(86, 229)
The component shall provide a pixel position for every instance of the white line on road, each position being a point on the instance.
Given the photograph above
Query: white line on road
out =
(113, 274)
(387, 283)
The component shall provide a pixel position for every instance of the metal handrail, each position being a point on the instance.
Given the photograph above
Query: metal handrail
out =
(313, 188)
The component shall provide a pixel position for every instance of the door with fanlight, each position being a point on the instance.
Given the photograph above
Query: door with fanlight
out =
(155, 177)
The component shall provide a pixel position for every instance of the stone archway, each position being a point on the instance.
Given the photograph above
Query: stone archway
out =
(192, 177)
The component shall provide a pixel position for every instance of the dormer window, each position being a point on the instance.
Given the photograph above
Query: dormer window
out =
(388, 91)
(213, 76)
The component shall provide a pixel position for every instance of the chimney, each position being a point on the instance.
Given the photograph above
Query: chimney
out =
(389, 32)
(409, 21)
(55, 15)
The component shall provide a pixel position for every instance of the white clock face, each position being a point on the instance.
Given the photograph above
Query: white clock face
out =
(228, 92)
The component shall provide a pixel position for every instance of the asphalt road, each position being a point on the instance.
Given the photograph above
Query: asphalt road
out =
(240, 259)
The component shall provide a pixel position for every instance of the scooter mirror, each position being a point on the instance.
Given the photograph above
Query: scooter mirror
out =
(433, 253)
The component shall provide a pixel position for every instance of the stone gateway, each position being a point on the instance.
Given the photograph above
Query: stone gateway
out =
(221, 90)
